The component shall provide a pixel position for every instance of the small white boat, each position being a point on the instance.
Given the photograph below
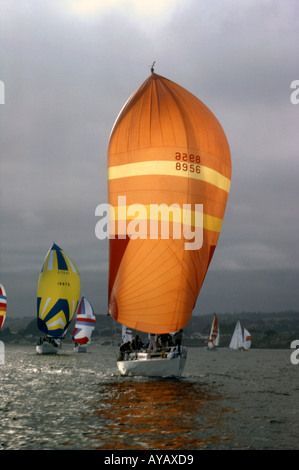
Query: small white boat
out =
(80, 348)
(48, 346)
(154, 364)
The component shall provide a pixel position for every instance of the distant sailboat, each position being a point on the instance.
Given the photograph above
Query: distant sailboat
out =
(57, 299)
(246, 339)
(84, 326)
(166, 148)
(3, 305)
(213, 340)
(240, 340)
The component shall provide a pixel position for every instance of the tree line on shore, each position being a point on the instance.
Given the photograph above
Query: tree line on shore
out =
(268, 330)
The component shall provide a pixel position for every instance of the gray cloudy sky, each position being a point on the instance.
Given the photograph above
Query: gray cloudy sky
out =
(68, 67)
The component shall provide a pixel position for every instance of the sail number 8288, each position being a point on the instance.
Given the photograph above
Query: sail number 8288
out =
(187, 162)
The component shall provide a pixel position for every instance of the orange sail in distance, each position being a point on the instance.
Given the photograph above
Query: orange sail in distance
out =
(165, 148)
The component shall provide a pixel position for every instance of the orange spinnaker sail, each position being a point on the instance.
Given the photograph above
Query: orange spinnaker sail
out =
(166, 147)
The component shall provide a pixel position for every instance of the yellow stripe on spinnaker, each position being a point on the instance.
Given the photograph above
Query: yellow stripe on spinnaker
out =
(57, 322)
(171, 214)
(168, 168)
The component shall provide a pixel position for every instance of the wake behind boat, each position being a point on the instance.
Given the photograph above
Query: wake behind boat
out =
(166, 150)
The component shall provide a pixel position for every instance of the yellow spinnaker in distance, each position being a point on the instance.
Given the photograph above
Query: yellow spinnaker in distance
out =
(58, 292)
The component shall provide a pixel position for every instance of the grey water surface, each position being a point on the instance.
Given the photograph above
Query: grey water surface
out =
(225, 400)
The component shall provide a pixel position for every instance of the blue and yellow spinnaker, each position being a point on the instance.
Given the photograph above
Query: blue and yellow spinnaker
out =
(58, 293)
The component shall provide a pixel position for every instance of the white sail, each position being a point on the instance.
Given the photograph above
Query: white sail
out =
(216, 342)
(237, 338)
(126, 334)
(247, 339)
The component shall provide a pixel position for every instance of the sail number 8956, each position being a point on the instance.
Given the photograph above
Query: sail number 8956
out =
(187, 162)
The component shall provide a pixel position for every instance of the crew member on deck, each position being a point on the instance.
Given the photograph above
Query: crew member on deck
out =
(152, 342)
(178, 336)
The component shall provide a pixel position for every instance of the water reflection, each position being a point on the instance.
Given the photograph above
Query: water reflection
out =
(157, 414)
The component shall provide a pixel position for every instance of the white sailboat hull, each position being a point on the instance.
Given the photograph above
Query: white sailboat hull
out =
(211, 347)
(153, 365)
(47, 348)
(81, 348)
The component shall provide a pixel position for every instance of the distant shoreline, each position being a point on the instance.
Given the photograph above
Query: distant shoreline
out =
(268, 330)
